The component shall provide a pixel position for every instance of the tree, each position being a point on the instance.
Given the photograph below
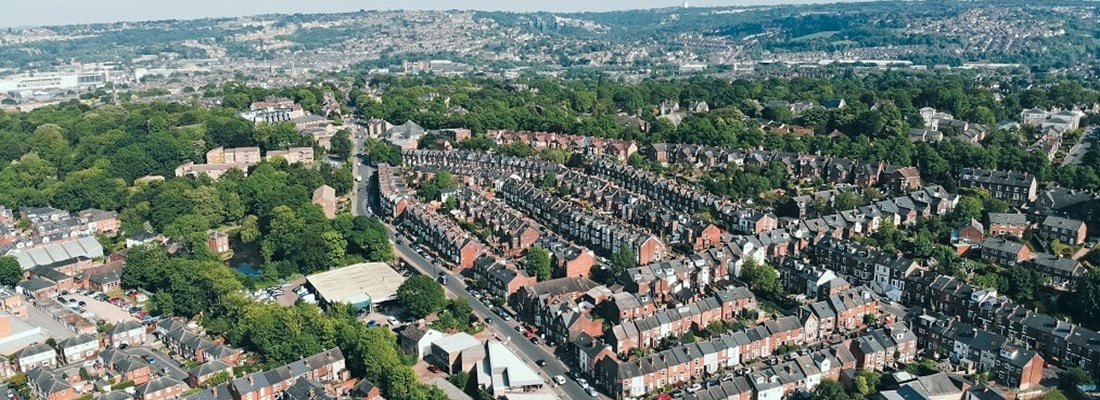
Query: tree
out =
(830, 389)
(1073, 377)
(10, 271)
(623, 259)
(538, 263)
(250, 229)
(341, 144)
(867, 381)
(761, 278)
(421, 295)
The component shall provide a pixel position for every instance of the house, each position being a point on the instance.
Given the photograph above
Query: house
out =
(34, 356)
(905, 179)
(78, 348)
(458, 352)
(834, 104)
(972, 233)
(405, 136)
(294, 155)
(47, 384)
(325, 197)
(125, 367)
(1007, 224)
(393, 193)
(160, 388)
(1005, 252)
(418, 339)
(1016, 188)
(204, 372)
(217, 241)
(103, 279)
(129, 333)
(453, 243)
(1068, 231)
(1064, 272)
(1019, 368)
(365, 390)
(306, 389)
(141, 238)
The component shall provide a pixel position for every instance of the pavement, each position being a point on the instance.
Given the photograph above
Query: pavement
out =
(52, 327)
(103, 310)
(364, 202)
(500, 328)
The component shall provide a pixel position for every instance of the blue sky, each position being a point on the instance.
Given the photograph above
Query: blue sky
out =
(59, 12)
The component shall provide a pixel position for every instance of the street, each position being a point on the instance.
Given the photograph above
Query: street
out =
(163, 363)
(501, 328)
(363, 201)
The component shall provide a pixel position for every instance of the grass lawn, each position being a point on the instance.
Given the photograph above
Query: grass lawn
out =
(1055, 394)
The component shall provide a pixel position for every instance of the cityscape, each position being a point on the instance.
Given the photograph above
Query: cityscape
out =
(880, 200)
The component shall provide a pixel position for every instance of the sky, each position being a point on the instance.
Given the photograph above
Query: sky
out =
(62, 12)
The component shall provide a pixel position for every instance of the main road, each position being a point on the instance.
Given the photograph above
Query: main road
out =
(498, 326)
(364, 202)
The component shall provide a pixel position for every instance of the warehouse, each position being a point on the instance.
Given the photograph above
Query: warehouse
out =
(361, 285)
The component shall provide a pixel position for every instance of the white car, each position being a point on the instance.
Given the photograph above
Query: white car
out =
(592, 391)
(582, 382)
(559, 379)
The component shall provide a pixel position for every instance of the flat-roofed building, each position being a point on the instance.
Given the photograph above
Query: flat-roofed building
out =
(361, 285)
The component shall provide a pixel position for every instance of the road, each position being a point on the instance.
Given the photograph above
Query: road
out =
(1076, 154)
(501, 328)
(163, 362)
(365, 201)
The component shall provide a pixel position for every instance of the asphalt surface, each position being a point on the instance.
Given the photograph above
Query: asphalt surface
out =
(163, 362)
(502, 329)
(364, 200)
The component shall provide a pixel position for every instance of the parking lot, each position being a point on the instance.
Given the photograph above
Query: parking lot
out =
(102, 310)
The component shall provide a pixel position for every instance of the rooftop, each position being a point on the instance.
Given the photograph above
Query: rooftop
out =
(374, 282)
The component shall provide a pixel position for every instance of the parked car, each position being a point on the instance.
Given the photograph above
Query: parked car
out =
(559, 379)
(541, 363)
(592, 392)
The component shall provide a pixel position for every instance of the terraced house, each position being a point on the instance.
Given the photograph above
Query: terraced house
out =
(513, 232)
(442, 234)
(603, 234)
(393, 193)
(1016, 188)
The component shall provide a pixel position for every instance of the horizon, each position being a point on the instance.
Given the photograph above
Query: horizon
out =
(42, 13)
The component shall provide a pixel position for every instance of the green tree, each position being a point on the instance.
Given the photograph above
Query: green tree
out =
(622, 260)
(1073, 377)
(250, 229)
(341, 144)
(867, 382)
(830, 389)
(761, 278)
(10, 271)
(421, 295)
(538, 263)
